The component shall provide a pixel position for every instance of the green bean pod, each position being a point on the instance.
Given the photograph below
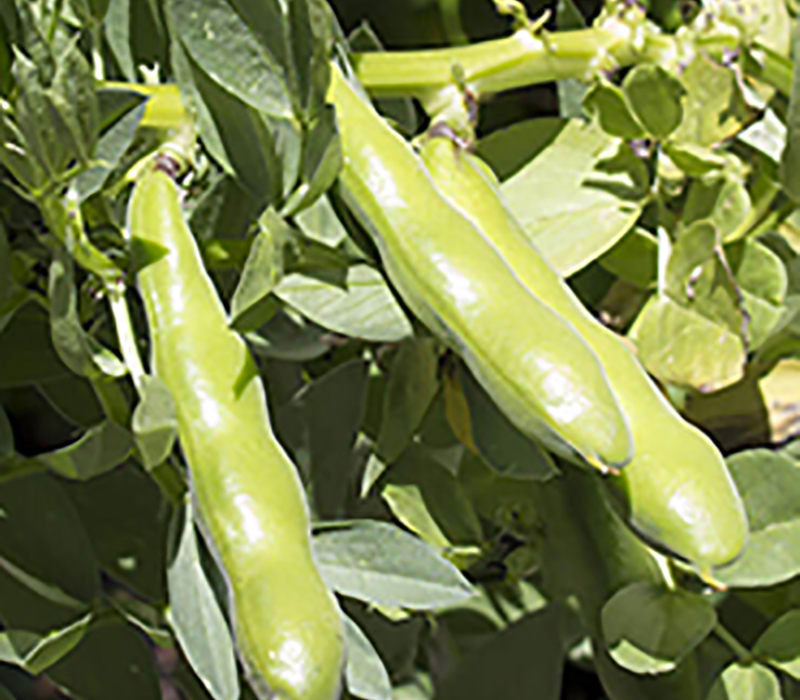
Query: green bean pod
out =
(529, 359)
(676, 492)
(247, 492)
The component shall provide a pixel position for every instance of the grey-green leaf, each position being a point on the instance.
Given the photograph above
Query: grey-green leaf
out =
(379, 563)
(650, 629)
(97, 451)
(154, 422)
(225, 47)
(769, 484)
(364, 307)
(780, 643)
(197, 619)
(412, 386)
(365, 674)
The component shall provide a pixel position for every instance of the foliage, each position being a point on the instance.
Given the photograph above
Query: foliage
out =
(656, 169)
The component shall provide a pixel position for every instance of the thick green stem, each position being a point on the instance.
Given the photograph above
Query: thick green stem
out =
(516, 61)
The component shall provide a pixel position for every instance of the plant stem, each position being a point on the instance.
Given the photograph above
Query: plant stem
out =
(743, 654)
(125, 334)
(515, 61)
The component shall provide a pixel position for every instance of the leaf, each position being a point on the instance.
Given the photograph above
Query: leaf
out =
(77, 349)
(322, 160)
(42, 538)
(237, 136)
(126, 517)
(650, 629)
(111, 146)
(740, 682)
(779, 644)
(608, 104)
(154, 422)
(262, 270)
(582, 207)
(523, 661)
(320, 426)
(364, 307)
(486, 429)
(634, 258)
(225, 47)
(97, 451)
(723, 200)
(413, 384)
(365, 673)
(430, 501)
(674, 343)
(790, 157)
(714, 107)
(655, 97)
(779, 391)
(288, 336)
(6, 437)
(321, 223)
(770, 488)
(111, 661)
(196, 617)
(36, 653)
(379, 563)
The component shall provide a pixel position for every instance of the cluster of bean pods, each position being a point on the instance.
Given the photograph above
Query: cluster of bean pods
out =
(465, 267)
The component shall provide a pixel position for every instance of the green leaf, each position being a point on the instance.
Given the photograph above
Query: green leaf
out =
(504, 448)
(584, 202)
(238, 137)
(656, 99)
(228, 51)
(430, 501)
(378, 563)
(365, 673)
(262, 271)
(523, 661)
(117, 29)
(322, 160)
(97, 451)
(111, 146)
(790, 157)
(127, 518)
(42, 537)
(714, 107)
(413, 384)
(321, 223)
(650, 629)
(634, 258)
(197, 619)
(674, 343)
(36, 653)
(320, 426)
(607, 103)
(770, 488)
(27, 355)
(693, 160)
(6, 437)
(154, 422)
(363, 306)
(751, 682)
(289, 336)
(81, 352)
(111, 661)
(720, 199)
(779, 644)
